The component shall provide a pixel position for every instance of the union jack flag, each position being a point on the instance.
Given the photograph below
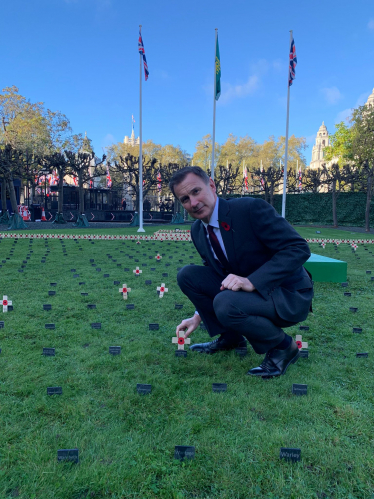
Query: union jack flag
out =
(108, 178)
(159, 180)
(141, 51)
(300, 177)
(246, 179)
(293, 62)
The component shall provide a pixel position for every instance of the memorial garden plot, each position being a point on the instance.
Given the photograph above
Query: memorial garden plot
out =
(96, 403)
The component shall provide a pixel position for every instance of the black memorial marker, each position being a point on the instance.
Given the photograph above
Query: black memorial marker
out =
(182, 452)
(119, 264)
(20, 270)
(91, 306)
(73, 270)
(54, 390)
(368, 271)
(153, 269)
(178, 306)
(143, 389)
(180, 353)
(2, 323)
(82, 283)
(126, 270)
(49, 352)
(304, 328)
(116, 283)
(289, 454)
(96, 325)
(346, 293)
(93, 265)
(353, 309)
(51, 293)
(344, 284)
(53, 283)
(357, 330)
(362, 354)
(165, 274)
(304, 353)
(299, 389)
(50, 326)
(153, 327)
(84, 294)
(106, 275)
(219, 387)
(114, 350)
(130, 306)
(98, 269)
(75, 275)
(148, 281)
(71, 455)
(47, 306)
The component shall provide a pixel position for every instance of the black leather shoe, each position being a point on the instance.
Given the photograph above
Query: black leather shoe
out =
(276, 361)
(218, 345)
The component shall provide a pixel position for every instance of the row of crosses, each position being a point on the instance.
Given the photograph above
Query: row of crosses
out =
(124, 290)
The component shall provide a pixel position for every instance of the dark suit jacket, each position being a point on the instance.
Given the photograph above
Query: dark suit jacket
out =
(262, 246)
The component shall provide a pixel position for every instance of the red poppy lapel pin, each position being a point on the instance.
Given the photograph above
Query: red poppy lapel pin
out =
(225, 226)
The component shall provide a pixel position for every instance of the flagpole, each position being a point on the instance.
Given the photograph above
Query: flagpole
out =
(214, 106)
(286, 144)
(140, 145)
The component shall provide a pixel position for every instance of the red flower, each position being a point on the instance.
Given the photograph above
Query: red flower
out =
(225, 226)
(299, 344)
(124, 290)
(162, 289)
(181, 341)
(5, 303)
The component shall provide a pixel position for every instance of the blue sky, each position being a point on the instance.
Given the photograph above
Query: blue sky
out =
(80, 57)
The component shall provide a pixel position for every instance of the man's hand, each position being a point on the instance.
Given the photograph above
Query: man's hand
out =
(189, 325)
(235, 283)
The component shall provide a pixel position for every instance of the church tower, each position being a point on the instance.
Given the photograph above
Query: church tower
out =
(132, 141)
(322, 141)
(370, 101)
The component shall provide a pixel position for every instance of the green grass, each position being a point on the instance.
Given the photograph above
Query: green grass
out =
(126, 441)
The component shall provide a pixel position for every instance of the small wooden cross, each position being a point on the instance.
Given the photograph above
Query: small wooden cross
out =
(300, 343)
(158, 257)
(181, 340)
(5, 303)
(162, 289)
(124, 290)
(137, 271)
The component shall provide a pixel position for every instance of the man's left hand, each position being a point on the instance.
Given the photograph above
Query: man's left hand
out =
(236, 283)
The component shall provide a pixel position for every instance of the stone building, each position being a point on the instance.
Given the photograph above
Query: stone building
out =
(322, 141)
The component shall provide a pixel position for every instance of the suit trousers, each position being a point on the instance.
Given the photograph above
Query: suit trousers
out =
(232, 313)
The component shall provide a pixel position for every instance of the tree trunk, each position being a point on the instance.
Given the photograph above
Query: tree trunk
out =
(60, 193)
(368, 201)
(272, 195)
(12, 195)
(81, 194)
(3, 195)
(334, 213)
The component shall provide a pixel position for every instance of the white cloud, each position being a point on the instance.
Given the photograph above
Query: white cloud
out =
(344, 116)
(230, 92)
(371, 24)
(332, 95)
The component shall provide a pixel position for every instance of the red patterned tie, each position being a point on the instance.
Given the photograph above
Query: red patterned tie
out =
(217, 248)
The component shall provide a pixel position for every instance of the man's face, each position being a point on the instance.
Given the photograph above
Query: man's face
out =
(197, 197)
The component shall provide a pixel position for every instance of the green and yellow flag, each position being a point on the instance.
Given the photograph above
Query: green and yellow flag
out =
(218, 72)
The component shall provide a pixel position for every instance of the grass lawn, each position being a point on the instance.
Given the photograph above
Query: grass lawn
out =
(126, 440)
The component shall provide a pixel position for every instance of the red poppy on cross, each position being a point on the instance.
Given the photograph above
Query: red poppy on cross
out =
(181, 340)
(158, 257)
(162, 289)
(300, 343)
(124, 290)
(6, 303)
(137, 271)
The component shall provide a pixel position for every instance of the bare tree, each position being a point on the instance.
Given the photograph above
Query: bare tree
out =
(10, 167)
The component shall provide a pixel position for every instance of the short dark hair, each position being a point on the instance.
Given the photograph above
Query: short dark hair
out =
(181, 174)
